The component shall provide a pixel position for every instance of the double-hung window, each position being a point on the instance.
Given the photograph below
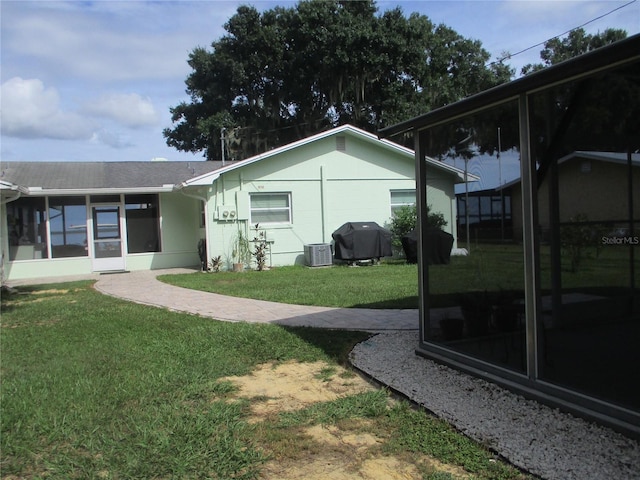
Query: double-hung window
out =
(270, 207)
(402, 198)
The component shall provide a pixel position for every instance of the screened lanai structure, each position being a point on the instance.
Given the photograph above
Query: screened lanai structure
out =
(554, 314)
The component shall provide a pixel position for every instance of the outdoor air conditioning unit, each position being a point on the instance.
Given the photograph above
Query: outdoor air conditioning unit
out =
(318, 254)
(227, 212)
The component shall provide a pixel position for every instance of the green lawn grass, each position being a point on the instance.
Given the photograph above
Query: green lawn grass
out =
(96, 387)
(394, 284)
(381, 286)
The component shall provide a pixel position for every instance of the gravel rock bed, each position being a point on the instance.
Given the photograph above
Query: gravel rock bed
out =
(539, 439)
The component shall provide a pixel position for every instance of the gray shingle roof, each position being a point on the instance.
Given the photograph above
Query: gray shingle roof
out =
(102, 175)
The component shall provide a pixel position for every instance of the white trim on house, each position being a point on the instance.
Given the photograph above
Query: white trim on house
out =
(10, 192)
(39, 191)
(208, 178)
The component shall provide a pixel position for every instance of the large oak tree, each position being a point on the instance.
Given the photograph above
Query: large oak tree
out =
(286, 73)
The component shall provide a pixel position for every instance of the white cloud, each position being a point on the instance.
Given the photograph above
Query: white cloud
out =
(32, 111)
(106, 41)
(29, 110)
(111, 139)
(130, 109)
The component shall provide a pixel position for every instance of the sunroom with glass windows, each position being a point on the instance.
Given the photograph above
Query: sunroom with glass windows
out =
(554, 314)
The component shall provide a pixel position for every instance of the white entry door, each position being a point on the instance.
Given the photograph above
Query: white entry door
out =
(107, 238)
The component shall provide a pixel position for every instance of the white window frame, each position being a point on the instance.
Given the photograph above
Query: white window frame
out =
(253, 209)
(395, 205)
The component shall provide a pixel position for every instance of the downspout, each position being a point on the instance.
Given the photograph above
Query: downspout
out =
(245, 223)
(5, 200)
(323, 200)
(206, 219)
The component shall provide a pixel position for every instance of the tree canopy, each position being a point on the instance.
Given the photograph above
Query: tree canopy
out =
(286, 73)
(575, 43)
(590, 107)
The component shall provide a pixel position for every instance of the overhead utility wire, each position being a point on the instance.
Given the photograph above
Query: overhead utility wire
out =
(506, 57)
(511, 55)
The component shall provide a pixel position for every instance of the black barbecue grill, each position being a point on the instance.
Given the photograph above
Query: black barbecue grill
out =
(361, 241)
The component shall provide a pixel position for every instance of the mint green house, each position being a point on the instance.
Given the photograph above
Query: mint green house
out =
(70, 218)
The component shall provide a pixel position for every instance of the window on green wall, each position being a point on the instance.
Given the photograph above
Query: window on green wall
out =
(402, 198)
(270, 207)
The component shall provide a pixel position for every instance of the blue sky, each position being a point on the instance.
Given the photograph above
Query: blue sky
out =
(94, 80)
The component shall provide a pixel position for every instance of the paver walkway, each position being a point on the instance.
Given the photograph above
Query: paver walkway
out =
(143, 287)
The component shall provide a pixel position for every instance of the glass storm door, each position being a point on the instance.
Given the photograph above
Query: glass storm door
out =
(107, 238)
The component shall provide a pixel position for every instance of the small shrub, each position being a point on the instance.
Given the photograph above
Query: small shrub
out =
(215, 264)
(260, 248)
(241, 248)
(405, 219)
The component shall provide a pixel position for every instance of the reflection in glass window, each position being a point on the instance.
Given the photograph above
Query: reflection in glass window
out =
(143, 223)
(582, 225)
(26, 223)
(588, 178)
(489, 214)
(475, 303)
(68, 224)
(270, 208)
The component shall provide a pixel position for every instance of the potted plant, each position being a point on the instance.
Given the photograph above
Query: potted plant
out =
(241, 252)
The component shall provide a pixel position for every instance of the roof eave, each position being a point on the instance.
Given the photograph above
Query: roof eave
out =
(202, 181)
(470, 178)
(39, 191)
(12, 187)
(208, 178)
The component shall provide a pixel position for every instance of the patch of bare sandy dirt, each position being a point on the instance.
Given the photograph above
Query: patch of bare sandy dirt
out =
(293, 386)
(330, 452)
(20, 300)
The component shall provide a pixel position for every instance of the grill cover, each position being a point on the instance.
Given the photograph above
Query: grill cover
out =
(438, 250)
(362, 241)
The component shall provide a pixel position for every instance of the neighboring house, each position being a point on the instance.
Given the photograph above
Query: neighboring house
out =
(497, 212)
(76, 218)
(590, 186)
